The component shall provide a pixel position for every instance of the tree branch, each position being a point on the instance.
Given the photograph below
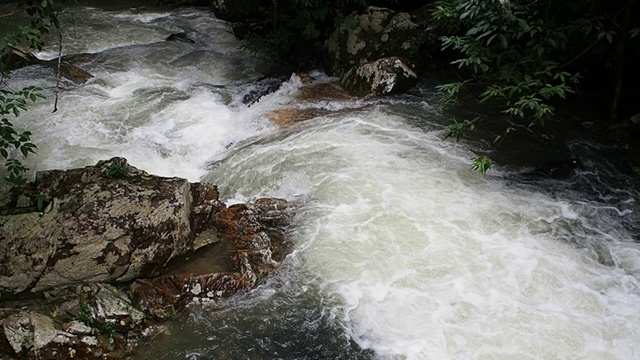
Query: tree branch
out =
(16, 12)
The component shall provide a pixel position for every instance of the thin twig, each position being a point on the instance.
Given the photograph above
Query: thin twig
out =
(16, 12)
(55, 104)
(579, 55)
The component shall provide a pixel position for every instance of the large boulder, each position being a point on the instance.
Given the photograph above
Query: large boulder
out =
(377, 33)
(113, 223)
(105, 223)
(383, 76)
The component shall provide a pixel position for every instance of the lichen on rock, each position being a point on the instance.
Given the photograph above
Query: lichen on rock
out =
(112, 223)
(383, 76)
(375, 34)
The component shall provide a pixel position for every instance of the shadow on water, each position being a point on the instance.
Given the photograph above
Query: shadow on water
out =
(282, 319)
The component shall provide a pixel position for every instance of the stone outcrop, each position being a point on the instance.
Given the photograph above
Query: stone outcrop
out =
(105, 223)
(377, 33)
(110, 223)
(383, 76)
(15, 58)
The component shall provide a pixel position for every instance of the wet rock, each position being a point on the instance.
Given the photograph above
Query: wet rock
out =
(376, 34)
(206, 203)
(164, 297)
(270, 84)
(181, 37)
(256, 233)
(109, 222)
(558, 169)
(262, 88)
(15, 58)
(383, 76)
(289, 116)
(307, 99)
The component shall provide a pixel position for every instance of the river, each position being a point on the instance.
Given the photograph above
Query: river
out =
(400, 251)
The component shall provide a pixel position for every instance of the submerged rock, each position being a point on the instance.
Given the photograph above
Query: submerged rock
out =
(383, 76)
(307, 99)
(181, 37)
(15, 58)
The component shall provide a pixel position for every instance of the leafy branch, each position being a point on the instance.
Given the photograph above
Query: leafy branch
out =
(14, 144)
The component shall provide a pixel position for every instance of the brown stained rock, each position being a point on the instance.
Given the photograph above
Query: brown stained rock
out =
(323, 92)
(159, 298)
(164, 297)
(290, 116)
(257, 233)
(103, 225)
(205, 204)
(312, 94)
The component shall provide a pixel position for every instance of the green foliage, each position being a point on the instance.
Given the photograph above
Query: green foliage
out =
(41, 201)
(481, 164)
(520, 56)
(116, 170)
(84, 314)
(508, 54)
(109, 329)
(457, 129)
(13, 143)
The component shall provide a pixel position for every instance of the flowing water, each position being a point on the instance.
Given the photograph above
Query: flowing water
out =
(400, 252)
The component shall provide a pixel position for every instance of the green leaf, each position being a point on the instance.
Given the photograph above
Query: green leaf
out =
(503, 41)
(481, 164)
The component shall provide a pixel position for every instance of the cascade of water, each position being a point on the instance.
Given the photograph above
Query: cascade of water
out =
(401, 251)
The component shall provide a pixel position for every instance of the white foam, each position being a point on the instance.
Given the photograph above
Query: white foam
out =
(433, 261)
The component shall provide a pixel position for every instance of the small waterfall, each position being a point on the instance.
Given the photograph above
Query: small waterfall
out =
(400, 252)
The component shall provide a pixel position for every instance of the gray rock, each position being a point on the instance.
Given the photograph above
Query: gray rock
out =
(383, 76)
(103, 223)
(378, 33)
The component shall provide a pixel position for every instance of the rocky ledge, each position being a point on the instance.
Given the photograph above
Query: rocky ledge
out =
(92, 259)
